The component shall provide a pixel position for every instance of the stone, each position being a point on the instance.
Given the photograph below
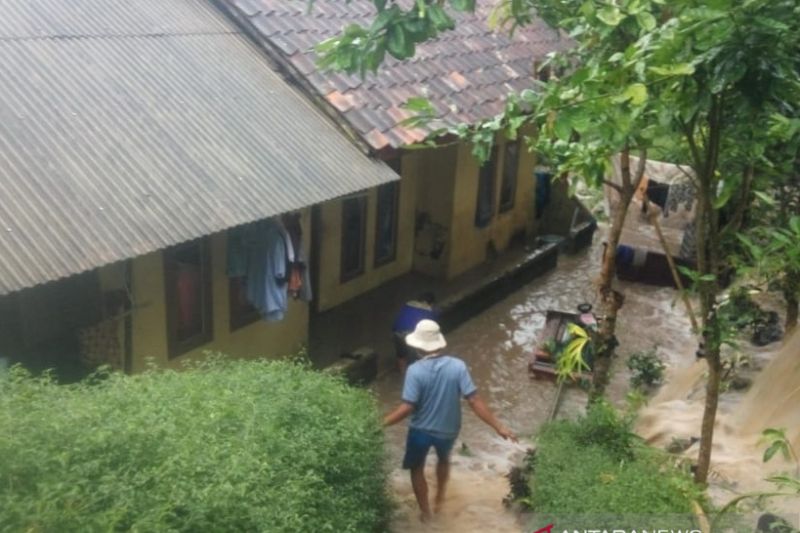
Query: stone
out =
(359, 367)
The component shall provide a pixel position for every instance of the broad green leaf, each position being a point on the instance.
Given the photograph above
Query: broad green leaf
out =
(396, 42)
(636, 93)
(563, 126)
(769, 200)
(610, 15)
(646, 20)
(441, 20)
(418, 104)
(681, 69)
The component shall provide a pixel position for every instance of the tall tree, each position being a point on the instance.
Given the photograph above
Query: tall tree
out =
(707, 74)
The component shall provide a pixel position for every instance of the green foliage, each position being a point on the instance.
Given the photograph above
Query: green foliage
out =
(646, 369)
(570, 361)
(596, 466)
(223, 446)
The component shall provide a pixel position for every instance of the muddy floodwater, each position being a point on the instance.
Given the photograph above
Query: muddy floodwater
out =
(496, 345)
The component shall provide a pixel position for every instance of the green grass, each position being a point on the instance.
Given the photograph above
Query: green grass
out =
(225, 446)
(596, 469)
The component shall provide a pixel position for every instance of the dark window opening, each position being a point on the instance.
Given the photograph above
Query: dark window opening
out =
(354, 225)
(241, 311)
(386, 223)
(188, 296)
(485, 205)
(508, 187)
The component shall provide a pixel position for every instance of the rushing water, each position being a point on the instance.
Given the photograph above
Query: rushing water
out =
(496, 345)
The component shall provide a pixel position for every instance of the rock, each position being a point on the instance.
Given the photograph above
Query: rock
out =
(770, 523)
(740, 383)
(678, 445)
(767, 329)
(359, 367)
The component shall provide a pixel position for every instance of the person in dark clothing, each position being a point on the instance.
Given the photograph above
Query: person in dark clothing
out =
(404, 323)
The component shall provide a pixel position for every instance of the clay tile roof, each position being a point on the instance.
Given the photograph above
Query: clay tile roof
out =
(472, 63)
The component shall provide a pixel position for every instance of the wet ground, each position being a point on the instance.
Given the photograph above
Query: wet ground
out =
(497, 345)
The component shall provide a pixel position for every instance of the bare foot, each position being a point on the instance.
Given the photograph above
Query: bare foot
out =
(438, 504)
(425, 518)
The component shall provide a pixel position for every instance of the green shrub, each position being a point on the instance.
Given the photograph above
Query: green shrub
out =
(595, 467)
(646, 369)
(224, 446)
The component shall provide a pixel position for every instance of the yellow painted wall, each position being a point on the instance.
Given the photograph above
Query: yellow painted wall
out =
(331, 290)
(436, 171)
(258, 339)
(468, 243)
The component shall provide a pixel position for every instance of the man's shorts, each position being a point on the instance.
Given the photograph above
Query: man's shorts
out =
(417, 445)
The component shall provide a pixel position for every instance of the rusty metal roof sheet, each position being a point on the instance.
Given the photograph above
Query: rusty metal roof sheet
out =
(466, 73)
(127, 126)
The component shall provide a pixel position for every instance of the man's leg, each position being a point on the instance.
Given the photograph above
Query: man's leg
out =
(443, 448)
(417, 445)
(420, 486)
(442, 475)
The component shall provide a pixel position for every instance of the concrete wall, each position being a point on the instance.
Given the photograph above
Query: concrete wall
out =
(436, 172)
(332, 291)
(149, 318)
(469, 244)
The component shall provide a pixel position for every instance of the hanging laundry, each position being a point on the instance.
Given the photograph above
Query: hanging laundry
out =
(267, 275)
(679, 193)
(299, 283)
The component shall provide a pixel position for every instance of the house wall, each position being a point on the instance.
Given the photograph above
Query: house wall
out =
(149, 318)
(436, 172)
(332, 291)
(469, 245)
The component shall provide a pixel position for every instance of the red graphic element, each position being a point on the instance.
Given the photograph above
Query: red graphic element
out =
(548, 528)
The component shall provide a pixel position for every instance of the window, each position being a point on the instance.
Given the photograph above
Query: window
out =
(187, 276)
(241, 311)
(508, 187)
(484, 210)
(386, 223)
(354, 224)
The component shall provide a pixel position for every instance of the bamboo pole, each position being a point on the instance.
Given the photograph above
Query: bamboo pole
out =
(653, 216)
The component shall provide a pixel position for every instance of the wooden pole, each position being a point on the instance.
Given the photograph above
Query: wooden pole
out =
(653, 216)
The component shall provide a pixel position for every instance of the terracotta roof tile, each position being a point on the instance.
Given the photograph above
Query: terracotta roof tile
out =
(470, 69)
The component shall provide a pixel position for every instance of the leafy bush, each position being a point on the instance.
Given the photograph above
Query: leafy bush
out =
(224, 446)
(646, 369)
(595, 467)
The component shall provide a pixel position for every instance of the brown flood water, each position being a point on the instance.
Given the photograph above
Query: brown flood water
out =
(496, 345)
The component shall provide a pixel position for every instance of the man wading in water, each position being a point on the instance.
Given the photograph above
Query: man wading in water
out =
(432, 394)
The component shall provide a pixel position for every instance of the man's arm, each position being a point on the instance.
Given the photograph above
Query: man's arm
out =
(402, 411)
(484, 413)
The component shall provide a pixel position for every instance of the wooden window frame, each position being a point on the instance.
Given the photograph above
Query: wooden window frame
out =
(175, 346)
(380, 261)
(348, 276)
(504, 207)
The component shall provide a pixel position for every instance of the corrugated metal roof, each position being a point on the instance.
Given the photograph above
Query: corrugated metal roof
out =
(120, 141)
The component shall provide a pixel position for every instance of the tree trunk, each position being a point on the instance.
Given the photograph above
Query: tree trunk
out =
(792, 305)
(611, 300)
(709, 414)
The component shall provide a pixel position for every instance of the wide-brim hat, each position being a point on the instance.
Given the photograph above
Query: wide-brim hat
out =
(427, 336)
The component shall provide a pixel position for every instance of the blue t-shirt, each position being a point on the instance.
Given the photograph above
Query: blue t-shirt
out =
(410, 315)
(435, 387)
